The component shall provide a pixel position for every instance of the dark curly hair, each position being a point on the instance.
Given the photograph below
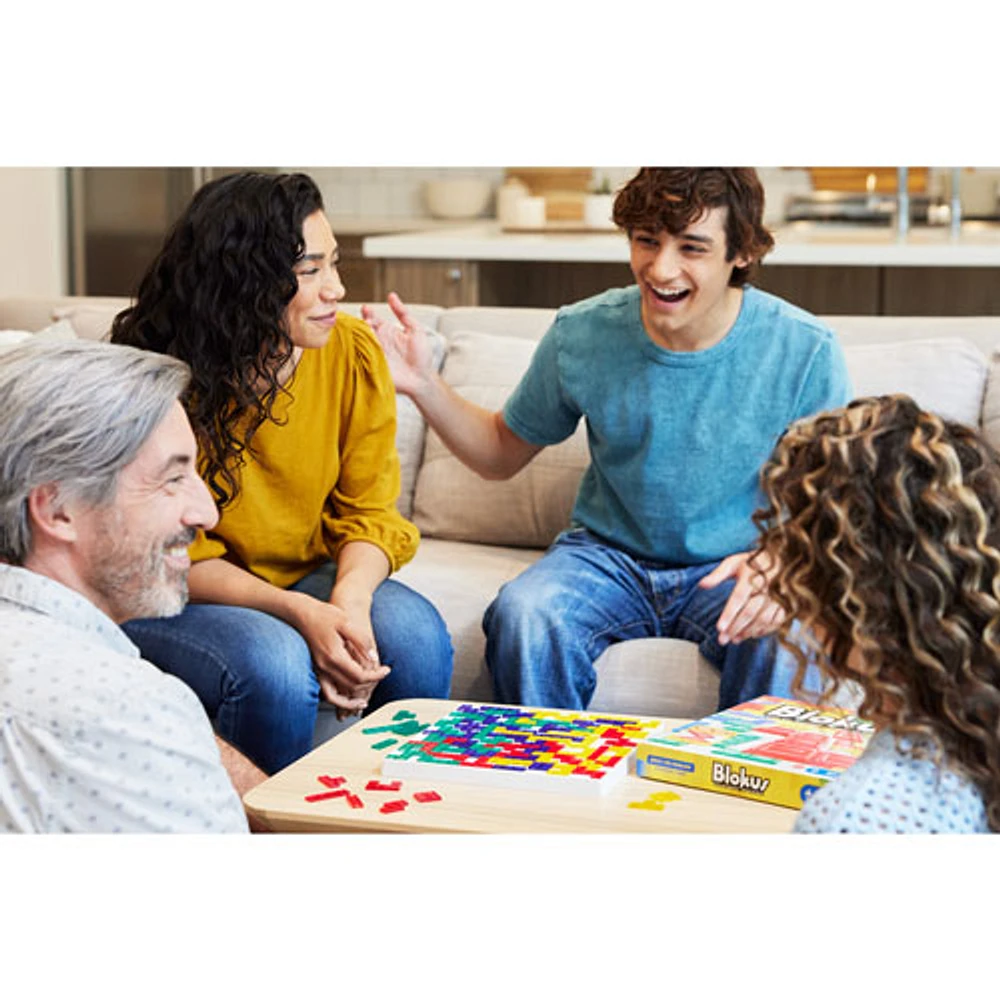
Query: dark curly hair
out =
(884, 521)
(215, 297)
(671, 198)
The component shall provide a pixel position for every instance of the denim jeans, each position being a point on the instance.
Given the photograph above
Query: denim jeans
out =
(547, 627)
(254, 674)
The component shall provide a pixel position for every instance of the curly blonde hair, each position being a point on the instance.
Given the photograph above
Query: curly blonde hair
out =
(882, 521)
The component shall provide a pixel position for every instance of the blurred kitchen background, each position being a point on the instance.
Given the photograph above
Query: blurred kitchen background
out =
(94, 230)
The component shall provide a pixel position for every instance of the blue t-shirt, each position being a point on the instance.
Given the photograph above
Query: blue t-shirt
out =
(677, 439)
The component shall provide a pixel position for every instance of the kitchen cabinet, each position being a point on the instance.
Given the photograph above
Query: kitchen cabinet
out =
(889, 291)
(358, 273)
(826, 291)
(941, 291)
(446, 283)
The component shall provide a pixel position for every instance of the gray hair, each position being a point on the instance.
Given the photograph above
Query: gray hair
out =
(75, 413)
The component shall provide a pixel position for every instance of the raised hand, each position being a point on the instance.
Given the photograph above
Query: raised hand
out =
(406, 345)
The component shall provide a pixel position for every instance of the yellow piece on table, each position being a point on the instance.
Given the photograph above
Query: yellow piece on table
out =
(665, 796)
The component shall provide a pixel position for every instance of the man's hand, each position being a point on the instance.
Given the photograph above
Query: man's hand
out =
(407, 347)
(749, 613)
(343, 651)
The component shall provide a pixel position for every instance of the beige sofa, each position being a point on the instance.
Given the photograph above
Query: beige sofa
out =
(478, 534)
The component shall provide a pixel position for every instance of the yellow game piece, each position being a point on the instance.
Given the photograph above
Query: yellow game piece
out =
(648, 804)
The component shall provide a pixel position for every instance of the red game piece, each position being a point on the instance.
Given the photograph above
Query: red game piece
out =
(383, 786)
(325, 779)
(321, 796)
(426, 797)
(354, 802)
(397, 805)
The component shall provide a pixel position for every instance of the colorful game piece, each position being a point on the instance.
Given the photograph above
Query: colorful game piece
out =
(397, 805)
(381, 745)
(429, 796)
(386, 786)
(405, 728)
(647, 804)
(322, 796)
(325, 779)
(522, 748)
(354, 802)
(404, 714)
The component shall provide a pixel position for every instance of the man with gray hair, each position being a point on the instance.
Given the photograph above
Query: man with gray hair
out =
(99, 500)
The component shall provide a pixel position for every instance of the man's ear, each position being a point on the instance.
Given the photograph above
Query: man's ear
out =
(50, 514)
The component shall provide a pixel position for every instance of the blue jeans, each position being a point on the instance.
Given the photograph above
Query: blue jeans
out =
(254, 674)
(547, 627)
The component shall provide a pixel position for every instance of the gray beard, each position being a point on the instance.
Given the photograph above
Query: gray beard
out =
(139, 585)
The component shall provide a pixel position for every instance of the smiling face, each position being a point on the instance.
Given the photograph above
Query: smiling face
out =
(132, 552)
(687, 302)
(311, 313)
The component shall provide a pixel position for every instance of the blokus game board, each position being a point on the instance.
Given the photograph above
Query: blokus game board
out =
(523, 748)
(770, 749)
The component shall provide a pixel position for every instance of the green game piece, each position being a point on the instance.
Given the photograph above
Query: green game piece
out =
(408, 728)
(383, 744)
(403, 714)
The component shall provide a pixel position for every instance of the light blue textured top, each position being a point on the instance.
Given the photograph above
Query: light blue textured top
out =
(677, 439)
(888, 790)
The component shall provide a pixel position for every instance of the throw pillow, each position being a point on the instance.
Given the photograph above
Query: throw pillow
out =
(991, 403)
(531, 508)
(946, 375)
(91, 319)
(62, 330)
(410, 433)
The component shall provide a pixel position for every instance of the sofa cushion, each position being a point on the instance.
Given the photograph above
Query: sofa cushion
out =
(62, 330)
(91, 317)
(529, 509)
(991, 402)
(946, 375)
(410, 434)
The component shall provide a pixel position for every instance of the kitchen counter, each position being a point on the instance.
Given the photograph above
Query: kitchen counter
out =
(367, 225)
(799, 243)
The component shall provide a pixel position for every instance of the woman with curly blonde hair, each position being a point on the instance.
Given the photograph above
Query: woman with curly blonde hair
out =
(883, 521)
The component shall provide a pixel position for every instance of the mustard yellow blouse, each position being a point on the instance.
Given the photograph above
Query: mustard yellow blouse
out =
(324, 472)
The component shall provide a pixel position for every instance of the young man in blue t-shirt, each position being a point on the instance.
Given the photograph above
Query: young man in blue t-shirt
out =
(686, 380)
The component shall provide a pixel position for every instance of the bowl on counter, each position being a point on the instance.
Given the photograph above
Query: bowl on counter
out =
(458, 197)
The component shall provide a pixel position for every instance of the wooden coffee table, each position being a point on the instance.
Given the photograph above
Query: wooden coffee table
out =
(280, 802)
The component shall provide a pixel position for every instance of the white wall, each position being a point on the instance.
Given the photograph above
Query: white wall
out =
(32, 231)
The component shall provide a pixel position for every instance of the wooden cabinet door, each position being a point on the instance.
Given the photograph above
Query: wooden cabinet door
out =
(444, 283)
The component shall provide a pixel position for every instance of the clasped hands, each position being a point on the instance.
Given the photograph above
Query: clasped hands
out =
(340, 639)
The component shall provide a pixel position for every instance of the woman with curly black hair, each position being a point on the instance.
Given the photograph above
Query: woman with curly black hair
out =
(294, 411)
(884, 523)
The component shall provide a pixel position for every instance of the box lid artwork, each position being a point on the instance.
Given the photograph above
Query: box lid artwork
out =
(773, 750)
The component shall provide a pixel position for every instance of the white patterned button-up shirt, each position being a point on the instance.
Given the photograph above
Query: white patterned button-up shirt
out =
(92, 737)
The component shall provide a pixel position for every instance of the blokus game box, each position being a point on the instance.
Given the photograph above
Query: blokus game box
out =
(770, 750)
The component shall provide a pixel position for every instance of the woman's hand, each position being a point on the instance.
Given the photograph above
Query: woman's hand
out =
(407, 347)
(749, 613)
(343, 651)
